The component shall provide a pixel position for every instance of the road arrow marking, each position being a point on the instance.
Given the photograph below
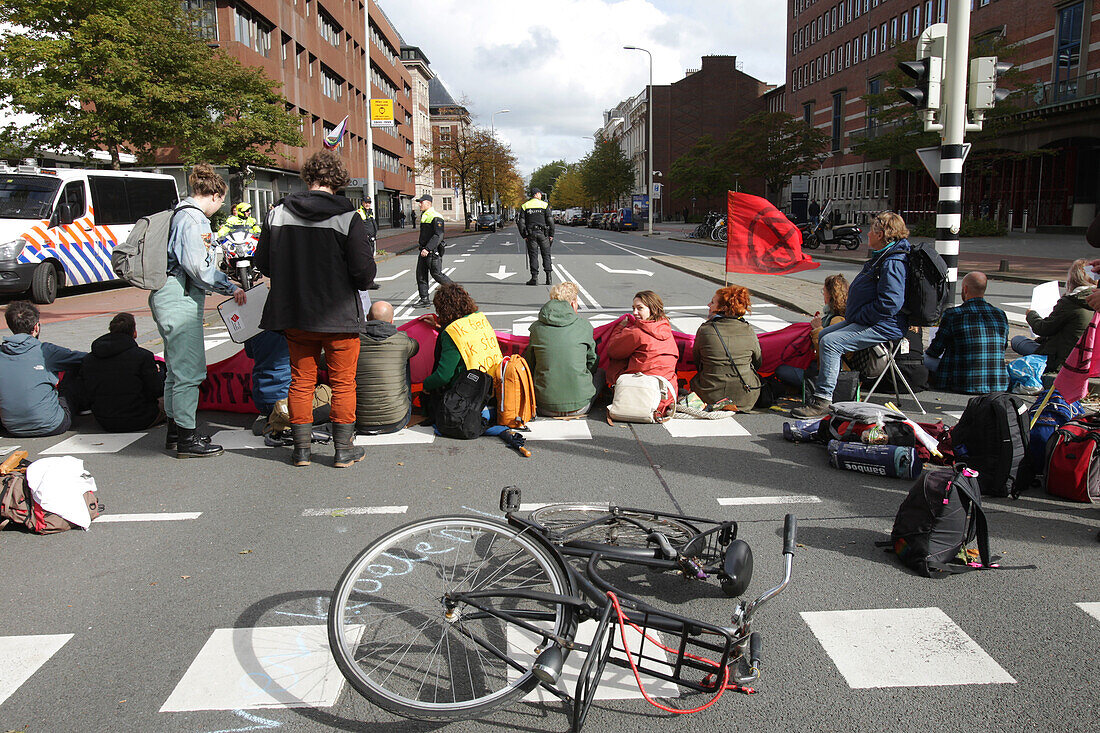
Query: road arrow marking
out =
(391, 277)
(607, 269)
(500, 274)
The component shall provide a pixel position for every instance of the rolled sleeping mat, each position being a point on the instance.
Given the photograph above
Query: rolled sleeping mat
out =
(892, 461)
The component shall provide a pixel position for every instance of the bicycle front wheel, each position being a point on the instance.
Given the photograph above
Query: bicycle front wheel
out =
(402, 641)
(624, 529)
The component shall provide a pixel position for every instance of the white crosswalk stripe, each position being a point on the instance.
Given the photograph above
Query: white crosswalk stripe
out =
(21, 656)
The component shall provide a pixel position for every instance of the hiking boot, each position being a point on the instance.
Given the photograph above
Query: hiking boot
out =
(193, 444)
(303, 438)
(422, 303)
(374, 286)
(548, 280)
(343, 436)
(818, 407)
(172, 436)
(534, 279)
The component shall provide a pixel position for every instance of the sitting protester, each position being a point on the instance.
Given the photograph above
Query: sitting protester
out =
(466, 340)
(835, 294)
(383, 379)
(562, 356)
(121, 382)
(968, 352)
(727, 352)
(643, 342)
(270, 357)
(1059, 332)
(32, 402)
(874, 312)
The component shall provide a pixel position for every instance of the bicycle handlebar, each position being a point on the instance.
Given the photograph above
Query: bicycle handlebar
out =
(790, 529)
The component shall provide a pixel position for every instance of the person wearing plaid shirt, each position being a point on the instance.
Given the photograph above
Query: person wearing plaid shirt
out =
(970, 344)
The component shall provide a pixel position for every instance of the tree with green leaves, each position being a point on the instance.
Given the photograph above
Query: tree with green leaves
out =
(606, 172)
(132, 76)
(546, 176)
(775, 147)
(569, 190)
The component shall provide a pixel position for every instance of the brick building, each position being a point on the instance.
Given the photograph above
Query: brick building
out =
(420, 70)
(330, 56)
(837, 51)
(449, 121)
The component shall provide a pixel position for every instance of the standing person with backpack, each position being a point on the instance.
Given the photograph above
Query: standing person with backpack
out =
(179, 305)
(315, 250)
(875, 311)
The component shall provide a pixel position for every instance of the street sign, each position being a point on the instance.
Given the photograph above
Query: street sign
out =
(930, 157)
(381, 113)
(657, 190)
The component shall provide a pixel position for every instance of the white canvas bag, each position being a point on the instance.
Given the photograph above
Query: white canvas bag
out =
(640, 397)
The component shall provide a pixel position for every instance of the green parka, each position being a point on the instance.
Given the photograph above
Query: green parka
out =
(1060, 331)
(562, 358)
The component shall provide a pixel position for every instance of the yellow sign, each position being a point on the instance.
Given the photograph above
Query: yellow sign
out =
(381, 113)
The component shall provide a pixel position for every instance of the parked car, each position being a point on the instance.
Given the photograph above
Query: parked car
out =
(611, 222)
(627, 222)
(578, 220)
(486, 221)
(594, 220)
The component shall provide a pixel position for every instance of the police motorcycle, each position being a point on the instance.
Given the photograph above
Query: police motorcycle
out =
(235, 253)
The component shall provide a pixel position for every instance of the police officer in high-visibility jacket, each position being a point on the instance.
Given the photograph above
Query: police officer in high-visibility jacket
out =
(431, 250)
(536, 226)
(240, 219)
(367, 215)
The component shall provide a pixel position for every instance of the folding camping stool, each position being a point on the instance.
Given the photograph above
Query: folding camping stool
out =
(892, 349)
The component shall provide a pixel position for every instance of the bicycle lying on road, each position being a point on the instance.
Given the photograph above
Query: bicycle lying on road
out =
(450, 618)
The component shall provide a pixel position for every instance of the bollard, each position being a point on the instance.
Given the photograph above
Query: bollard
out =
(1011, 219)
(1023, 226)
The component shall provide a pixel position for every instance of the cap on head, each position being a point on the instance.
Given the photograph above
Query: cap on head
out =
(426, 197)
(242, 209)
(366, 199)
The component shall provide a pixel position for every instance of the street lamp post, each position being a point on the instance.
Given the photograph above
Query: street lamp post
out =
(649, 145)
(493, 125)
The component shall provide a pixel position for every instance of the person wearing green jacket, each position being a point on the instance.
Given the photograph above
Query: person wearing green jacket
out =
(562, 357)
(1059, 332)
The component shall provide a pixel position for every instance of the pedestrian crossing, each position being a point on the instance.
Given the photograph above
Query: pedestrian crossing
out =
(290, 666)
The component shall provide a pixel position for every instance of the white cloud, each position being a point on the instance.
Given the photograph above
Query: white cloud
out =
(558, 64)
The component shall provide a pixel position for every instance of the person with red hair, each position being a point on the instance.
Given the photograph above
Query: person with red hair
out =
(727, 352)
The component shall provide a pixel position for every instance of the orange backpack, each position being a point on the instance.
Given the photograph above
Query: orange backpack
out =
(515, 392)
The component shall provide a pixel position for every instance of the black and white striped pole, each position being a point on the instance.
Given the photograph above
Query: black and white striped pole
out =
(952, 153)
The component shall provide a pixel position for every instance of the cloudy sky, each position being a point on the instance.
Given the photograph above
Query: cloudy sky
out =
(558, 64)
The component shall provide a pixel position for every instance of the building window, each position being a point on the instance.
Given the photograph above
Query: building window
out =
(252, 30)
(864, 46)
(445, 134)
(204, 18)
(859, 186)
(916, 21)
(445, 179)
(943, 11)
(882, 37)
(448, 203)
(874, 41)
(928, 12)
(329, 29)
(905, 26)
(1067, 61)
(808, 113)
(877, 193)
(838, 119)
(332, 86)
(873, 87)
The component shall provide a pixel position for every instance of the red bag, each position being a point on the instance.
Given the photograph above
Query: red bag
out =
(1073, 468)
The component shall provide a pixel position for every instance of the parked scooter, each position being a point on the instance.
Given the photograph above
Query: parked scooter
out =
(235, 257)
(841, 235)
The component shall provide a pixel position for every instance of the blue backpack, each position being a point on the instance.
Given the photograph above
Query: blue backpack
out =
(1056, 413)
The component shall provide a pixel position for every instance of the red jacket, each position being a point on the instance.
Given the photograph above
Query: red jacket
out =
(642, 346)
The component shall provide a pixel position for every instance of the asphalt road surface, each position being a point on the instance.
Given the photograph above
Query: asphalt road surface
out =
(201, 607)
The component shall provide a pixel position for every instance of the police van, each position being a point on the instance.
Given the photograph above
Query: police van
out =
(59, 225)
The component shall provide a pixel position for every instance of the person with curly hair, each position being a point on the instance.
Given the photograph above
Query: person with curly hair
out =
(727, 352)
(835, 294)
(643, 342)
(178, 309)
(466, 340)
(316, 252)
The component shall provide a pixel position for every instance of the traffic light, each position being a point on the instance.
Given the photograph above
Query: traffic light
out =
(928, 73)
(983, 92)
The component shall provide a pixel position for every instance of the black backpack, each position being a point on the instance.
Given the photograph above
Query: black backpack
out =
(458, 412)
(927, 291)
(992, 437)
(941, 515)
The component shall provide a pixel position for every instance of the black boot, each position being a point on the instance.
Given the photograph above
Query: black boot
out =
(422, 303)
(172, 436)
(193, 444)
(343, 435)
(303, 437)
(534, 279)
(548, 280)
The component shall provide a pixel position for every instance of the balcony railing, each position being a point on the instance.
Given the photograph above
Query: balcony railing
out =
(1051, 94)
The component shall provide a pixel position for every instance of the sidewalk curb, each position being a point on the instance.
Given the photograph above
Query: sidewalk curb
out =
(764, 295)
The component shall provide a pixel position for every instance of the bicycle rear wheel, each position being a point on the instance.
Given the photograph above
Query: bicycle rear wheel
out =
(626, 529)
(402, 647)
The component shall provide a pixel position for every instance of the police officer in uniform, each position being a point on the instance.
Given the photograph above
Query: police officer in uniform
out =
(241, 218)
(367, 215)
(431, 250)
(536, 226)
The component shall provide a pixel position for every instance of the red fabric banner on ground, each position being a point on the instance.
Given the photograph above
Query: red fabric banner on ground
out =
(762, 239)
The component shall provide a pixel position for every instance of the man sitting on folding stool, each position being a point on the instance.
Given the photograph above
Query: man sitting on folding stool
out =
(874, 313)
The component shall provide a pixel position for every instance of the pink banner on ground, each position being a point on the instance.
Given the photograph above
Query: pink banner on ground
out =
(228, 385)
(1072, 381)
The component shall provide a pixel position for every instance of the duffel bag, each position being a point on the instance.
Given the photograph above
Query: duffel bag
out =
(1073, 464)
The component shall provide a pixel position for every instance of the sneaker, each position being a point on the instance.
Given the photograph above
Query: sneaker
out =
(422, 303)
(818, 407)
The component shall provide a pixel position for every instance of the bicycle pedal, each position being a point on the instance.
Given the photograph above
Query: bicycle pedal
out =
(509, 499)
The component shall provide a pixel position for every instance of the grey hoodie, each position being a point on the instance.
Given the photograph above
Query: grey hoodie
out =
(28, 384)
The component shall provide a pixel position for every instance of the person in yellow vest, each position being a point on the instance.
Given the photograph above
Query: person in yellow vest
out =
(431, 250)
(241, 218)
(466, 340)
(536, 226)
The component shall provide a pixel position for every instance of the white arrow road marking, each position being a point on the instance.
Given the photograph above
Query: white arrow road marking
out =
(607, 269)
(391, 277)
(564, 242)
(500, 274)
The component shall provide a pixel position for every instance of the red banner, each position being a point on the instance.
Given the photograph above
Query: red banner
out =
(762, 239)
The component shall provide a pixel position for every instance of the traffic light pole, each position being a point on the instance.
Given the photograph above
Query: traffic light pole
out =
(949, 209)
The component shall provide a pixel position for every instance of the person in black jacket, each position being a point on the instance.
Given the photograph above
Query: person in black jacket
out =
(431, 250)
(315, 250)
(121, 381)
